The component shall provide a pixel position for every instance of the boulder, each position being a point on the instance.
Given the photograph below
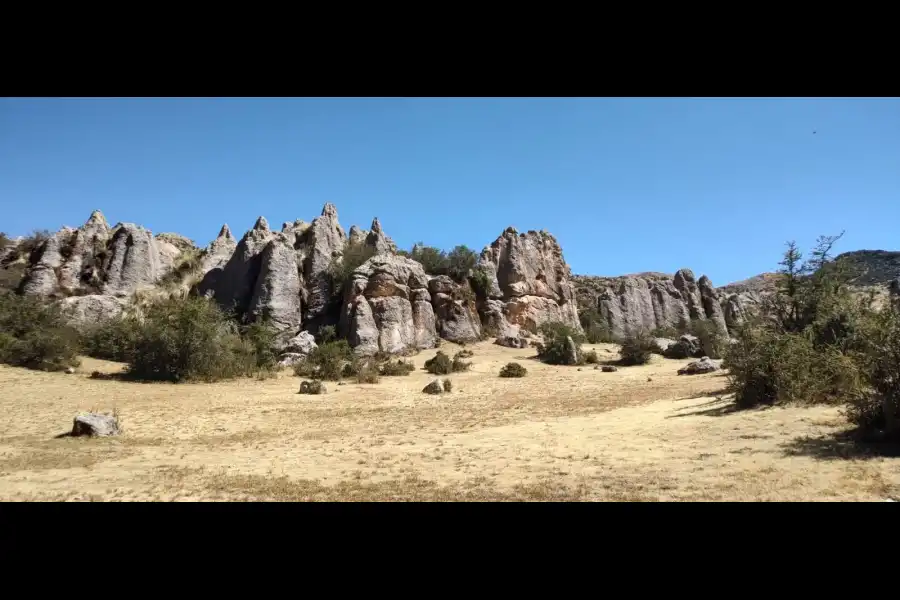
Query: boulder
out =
(662, 344)
(511, 341)
(313, 387)
(85, 311)
(528, 279)
(608, 369)
(686, 347)
(387, 307)
(95, 425)
(436, 386)
(704, 365)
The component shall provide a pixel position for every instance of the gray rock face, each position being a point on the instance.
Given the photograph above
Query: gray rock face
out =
(455, 313)
(41, 278)
(85, 311)
(662, 344)
(216, 255)
(387, 307)
(134, 260)
(377, 239)
(649, 301)
(357, 236)
(276, 294)
(95, 425)
(738, 308)
(704, 365)
(325, 242)
(530, 278)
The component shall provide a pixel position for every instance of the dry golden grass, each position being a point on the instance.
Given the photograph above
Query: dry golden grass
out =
(561, 433)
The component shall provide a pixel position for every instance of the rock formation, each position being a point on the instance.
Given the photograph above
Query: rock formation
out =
(455, 313)
(528, 283)
(86, 311)
(324, 242)
(377, 239)
(135, 260)
(651, 301)
(387, 307)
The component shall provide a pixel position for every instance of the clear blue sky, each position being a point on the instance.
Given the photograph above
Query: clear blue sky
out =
(626, 185)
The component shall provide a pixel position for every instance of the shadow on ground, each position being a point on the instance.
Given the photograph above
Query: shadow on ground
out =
(849, 444)
(717, 407)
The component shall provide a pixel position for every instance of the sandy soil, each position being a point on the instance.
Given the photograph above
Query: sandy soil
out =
(561, 433)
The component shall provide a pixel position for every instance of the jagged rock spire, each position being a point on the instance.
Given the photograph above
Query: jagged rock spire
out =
(225, 232)
(261, 225)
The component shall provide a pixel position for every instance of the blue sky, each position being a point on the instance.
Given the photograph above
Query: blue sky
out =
(626, 185)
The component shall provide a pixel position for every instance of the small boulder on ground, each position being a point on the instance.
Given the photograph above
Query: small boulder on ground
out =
(437, 386)
(608, 369)
(511, 341)
(313, 387)
(698, 367)
(95, 425)
(662, 344)
(686, 347)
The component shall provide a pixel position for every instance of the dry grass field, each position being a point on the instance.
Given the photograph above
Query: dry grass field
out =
(561, 433)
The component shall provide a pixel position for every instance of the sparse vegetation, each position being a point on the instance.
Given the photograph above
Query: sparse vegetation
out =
(341, 268)
(33, 334)
(448, 385)
(513, 369)
(637, 348)
(114, 339)
(191, 340)
(441, 364)
(596, 329)
(399, 368)
(480, 282)
(327, 361)
(591, 358)
(555, 349)
(460, 261)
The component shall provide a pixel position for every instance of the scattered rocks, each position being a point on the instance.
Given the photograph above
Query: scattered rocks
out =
(313, 387)
(704, 365)
(95, 425)
(511, 341)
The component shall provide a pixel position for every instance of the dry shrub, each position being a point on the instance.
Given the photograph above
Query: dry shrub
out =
(327, 361)
(513, 370)
(397, 369)
(637, 348)
(591, 357)
(441, 364)
(448, 385)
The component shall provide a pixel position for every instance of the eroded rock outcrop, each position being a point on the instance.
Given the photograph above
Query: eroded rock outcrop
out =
(456, 316)
(528, 283)
(377, 240)
(387, 307)
(651, 301)
(324, 242)
(87, 311)
(135, 260)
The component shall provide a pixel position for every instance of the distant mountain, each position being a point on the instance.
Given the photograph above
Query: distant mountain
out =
(872, 267)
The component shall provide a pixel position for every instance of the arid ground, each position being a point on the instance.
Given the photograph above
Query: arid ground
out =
(561, 433)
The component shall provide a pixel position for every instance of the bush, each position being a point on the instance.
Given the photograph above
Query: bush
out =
(465, 353)
(327, 361)
(395, 369)
(596, 329)
(591, 357)
(712, 342)
(513, 370)
(441, 364)
(668, 332)
(448, 385)
(637, 348)
(189, 340)
(111, 340)
(480, 282)
(555, 348)
(33, 334)
(433, 260)
(367, 373)
(766, 367)
(460, 261)
(261, 337)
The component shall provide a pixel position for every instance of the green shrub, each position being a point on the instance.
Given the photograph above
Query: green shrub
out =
(433, 260)
(111, 340)
(327, 361)
(513, 370)
(591, 357)
(465, 353)
(713, 343)
(441, 364)
(637, 348)
(555, 348)
(189, 340)
(261, 336)
(766, 367)
(596, 329)
(367, 372)
(395, 369)
(460, 261)
(448, 385)
(480, 282)
(33, 334)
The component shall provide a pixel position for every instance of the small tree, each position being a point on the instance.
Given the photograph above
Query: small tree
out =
(637, 348)
(34, 334)
(460, 261)
(341, 267)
